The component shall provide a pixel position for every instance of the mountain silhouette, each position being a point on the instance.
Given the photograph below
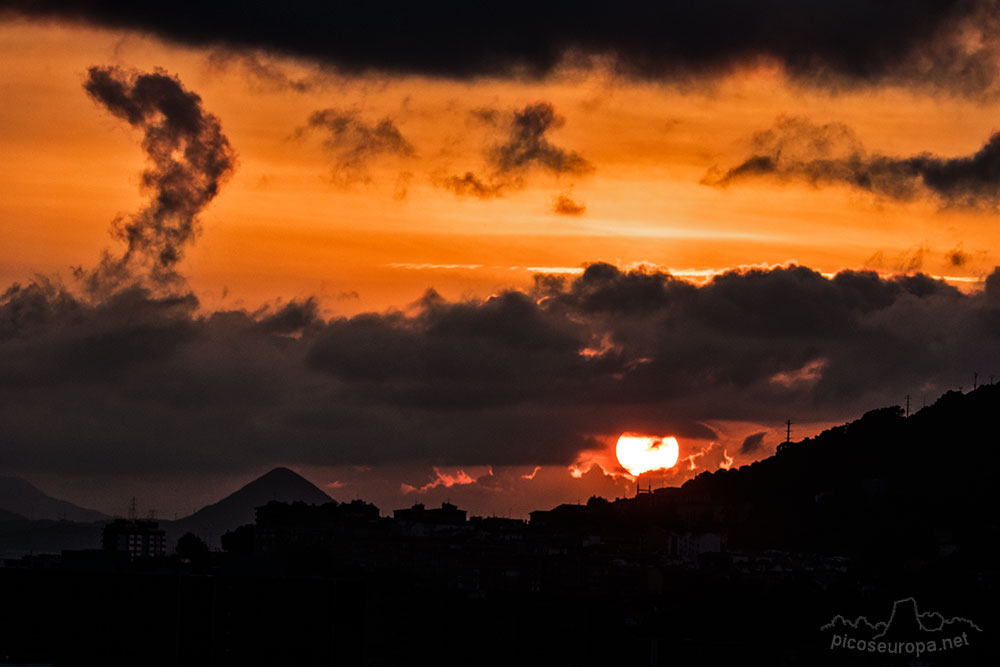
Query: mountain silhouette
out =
(20, 497)
(237, 509)
(9, 516)
(884, 487)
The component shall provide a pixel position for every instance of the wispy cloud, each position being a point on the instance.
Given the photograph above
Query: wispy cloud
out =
(525, 148)
(797, 149)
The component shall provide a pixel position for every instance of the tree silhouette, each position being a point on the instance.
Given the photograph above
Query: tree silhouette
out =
(191, 547)
(239, 540)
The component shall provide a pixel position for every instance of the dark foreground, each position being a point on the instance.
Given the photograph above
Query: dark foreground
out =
(873, 543)
(709, 615)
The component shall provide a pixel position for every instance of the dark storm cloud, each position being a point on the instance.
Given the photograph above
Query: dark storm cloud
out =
(525, 147)
(290, 318)
(823, 154)
(992, 288)
(752, 443)
(189, 159)
(948, 44)
(354, 144)
(502, 351)
(140, 382)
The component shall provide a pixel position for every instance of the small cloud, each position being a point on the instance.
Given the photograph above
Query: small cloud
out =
(808, 373)
(527, 144)
(486, 115)
(752, 443)
(471, 185)
(565, 205)
(727, 460)
(913, 261)
(444, 479)
(354, 144)
(262, 73)
(402, 187)
(525, 147)
(690, 459)
(957, 257)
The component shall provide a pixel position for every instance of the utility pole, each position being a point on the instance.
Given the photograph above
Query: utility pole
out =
(788, 431)
(907, 405)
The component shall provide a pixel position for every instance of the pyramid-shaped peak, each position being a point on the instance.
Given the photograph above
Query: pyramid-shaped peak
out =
(284, 481)
(280, 484)
(281, 471)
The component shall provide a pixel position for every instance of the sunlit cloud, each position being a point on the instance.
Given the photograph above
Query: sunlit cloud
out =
(442, 478)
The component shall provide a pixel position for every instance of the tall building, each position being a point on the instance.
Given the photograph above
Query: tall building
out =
(140, 538)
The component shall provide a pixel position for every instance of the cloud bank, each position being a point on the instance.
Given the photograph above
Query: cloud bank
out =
(138, 382)
(947, 45)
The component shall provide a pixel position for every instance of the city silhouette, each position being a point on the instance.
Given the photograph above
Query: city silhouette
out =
(758, 554)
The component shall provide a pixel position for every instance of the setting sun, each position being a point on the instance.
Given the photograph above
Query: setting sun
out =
(642, 453)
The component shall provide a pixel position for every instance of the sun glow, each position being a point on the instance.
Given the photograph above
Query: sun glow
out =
(642, 453)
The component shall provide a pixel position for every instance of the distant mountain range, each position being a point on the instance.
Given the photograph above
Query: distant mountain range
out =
(885, 486)
(33, 522)
(22, 498)
(9, 516)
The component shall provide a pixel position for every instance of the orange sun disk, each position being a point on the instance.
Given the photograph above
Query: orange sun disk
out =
(642, 453)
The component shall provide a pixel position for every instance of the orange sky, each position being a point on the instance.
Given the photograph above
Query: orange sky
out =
(284, 228)
(281, 228)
